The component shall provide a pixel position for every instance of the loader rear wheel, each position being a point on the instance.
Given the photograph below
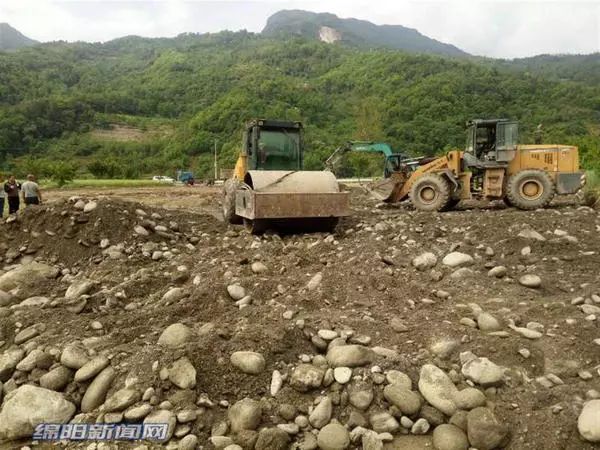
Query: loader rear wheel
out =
(530, 189)
(431, 192)
(228, 202)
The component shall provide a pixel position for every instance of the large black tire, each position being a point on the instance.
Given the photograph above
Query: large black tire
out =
(452, 203)
(228, 202)
(431, 192)
(507, 201)
(530, 189)
(256, 226)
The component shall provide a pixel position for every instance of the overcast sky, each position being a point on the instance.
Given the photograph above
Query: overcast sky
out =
(500, 28)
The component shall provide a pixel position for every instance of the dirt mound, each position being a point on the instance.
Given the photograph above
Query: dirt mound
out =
(72, 231)
(129, 271)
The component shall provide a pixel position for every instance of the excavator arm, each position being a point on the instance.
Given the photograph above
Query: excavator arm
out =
(357, 146)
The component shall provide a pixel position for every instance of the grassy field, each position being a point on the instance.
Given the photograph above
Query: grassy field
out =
(99, 183)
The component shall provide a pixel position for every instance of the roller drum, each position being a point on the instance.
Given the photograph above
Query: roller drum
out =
(283, 181)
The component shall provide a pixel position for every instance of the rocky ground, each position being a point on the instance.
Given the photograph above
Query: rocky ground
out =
(476, 328)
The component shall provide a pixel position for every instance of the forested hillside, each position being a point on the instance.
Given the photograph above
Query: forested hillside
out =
(582, 68)
(134, 106)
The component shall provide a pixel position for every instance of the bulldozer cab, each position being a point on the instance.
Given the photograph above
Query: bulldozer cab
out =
(492, 140)
(273, 145)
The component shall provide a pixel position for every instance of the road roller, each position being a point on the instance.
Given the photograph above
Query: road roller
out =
(270, 189)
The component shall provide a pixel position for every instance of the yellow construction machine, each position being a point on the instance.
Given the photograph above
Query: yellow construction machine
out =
(269, 187)
(492, 166)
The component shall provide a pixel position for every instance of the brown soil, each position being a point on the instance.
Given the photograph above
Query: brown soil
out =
(359, 291)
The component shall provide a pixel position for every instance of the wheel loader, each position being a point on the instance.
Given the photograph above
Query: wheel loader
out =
(269, 187)
(492, 166)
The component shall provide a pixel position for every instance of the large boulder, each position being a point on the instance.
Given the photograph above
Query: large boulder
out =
(92, 368)
(162, 417)
(272, 439)
(245, 415)
(122, 399)
(321, 415)
(483, 371)
(405, 400)
(484, 430)
(449, 437)
(306, 377)
(56, 379)
(78, 288)
(28, 406)
(183, 374)
(424, 261)
(6, 299)
(175, 335)
(350, 356)
(456, 259)
(96, 392)
(333, 437)
(74, 356)
(588, 423)
(437, 388)
(8, 362)
(248, 362)
(27, 276)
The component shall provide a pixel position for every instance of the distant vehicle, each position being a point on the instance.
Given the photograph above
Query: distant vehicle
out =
(163, 179)
(185, 177)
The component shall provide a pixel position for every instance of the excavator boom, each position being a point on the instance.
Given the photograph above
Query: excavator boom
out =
(360, 147)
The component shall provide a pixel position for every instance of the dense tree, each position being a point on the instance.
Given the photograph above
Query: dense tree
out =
(185, 93)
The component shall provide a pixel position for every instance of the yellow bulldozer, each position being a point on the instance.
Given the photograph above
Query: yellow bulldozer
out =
(493, 166)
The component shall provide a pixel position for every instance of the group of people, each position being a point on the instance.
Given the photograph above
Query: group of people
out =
(13, 190)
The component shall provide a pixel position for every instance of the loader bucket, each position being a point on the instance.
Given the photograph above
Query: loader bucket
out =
(389, 189)
(381, 189)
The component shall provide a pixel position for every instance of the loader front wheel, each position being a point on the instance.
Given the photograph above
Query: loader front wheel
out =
(228, 202)
(431, 192)
(452, 204)
(530, 189)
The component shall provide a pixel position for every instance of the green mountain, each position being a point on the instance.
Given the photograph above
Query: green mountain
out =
(11, 39)
(330, 28)
(135, 106)
(582, 68)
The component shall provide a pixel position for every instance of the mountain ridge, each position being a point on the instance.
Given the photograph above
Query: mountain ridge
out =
(13, 39)
(358, 32)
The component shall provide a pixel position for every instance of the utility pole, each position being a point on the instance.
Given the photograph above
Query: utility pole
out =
(216, 164)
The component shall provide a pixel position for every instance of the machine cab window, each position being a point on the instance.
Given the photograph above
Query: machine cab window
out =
(273, 145)
(492, 140)
(278, 147)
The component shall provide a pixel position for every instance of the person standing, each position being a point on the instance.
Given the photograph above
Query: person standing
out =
(2, 197)
(12, 188)
(31, 191)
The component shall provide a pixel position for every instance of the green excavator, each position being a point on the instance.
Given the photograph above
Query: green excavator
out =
(393, 162)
